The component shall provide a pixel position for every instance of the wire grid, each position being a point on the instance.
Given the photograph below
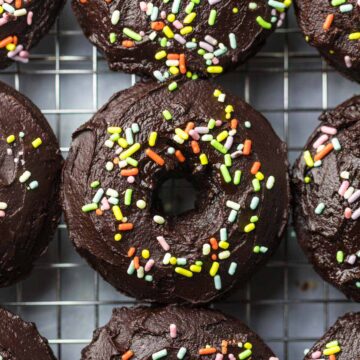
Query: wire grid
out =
(286, 302)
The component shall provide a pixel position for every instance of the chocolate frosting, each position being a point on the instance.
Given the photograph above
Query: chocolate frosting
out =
(95, 18)
(186, 234)
(334, 43)
(346, 331)
(44, 14)
(145, 331)
(31, 216)
(324, 236)
(21, 340)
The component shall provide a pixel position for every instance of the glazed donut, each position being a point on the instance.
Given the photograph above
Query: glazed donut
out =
(22, 25)
(162, 38)
(145, 135)
(326, 183)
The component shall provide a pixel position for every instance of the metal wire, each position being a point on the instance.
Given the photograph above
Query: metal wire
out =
(266, 62)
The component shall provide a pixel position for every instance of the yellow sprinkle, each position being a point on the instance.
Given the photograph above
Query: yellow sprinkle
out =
(203, 159)
(10, 47)
(171, 18)
(130, 151)
(260, 176)
(195, 268)
(114, 130)
(224, 244)
(117, 237)
(354, 36)
(123, 143)
(10, 139)
(235, 10)
(214, 69)
(173, 260)
(217, 93)
(186, 30)
(222, 136)
(152, 138)
(189, 18)
(214, 268)
(1, 9)
(117, 213)
(287, 3)
(145, 253)
(308, 158)
(160, 55)
(229, 108)
(36, 143)
(168, 32)
(249, 227)
(174, 70)
(181, 133)
(248, 346)
(332, 350)
(183, 272)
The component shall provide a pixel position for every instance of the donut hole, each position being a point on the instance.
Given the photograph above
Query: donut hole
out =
(174, 195)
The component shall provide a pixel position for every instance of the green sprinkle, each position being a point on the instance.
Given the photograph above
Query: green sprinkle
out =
(227, 160)
(256, 249)
(319, 209)
(112, 38)
(237, 177)
(263, 23)
(256, 185)
(232, 268)
(89, 207)
(225, 173)
(181, 353)
(218, 146)
(158, 355)
(217, 282)
(167, 115)
(95, 184)
(340, 256)
(254, 219)
(128, 195)
(357, 284)
(132, 34)
(211, 124)
(245, 354)
(212, 17)
(131, 161)
(232, 39)
(172, 86)
(337, 2)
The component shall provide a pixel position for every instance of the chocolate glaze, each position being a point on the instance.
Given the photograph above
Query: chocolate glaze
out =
(346, 331)
(95, 19)
(21, 340)
(321, 236)
(45, 12)
(333, 44)
(32, 215)
(93, 236)
(146, 330)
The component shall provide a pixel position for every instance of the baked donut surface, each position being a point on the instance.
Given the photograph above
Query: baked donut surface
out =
(174, 333)
(341, 340)
(30, 174)
(333, 27)
(118, 162)
(326, 189)
(209, 37)
(22, 24)
(21, 340)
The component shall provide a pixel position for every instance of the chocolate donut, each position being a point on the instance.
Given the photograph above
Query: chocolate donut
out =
(174, 333)
(30, 174)
(333, 27)
(341, 340)
(22, 24)
(326, 188)
(145, 135)
(21, 340)
(162, 38)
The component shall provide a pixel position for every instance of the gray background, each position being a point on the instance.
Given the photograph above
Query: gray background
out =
(286, 302)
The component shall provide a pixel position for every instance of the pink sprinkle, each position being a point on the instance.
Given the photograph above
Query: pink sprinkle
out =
(105, 204)
(163, 15)
(163, 243)
(29, 18)
(142, 33)
(202, 129)
(149, 264)
(2, 213)
(194, 134)
(218, 122)
(178, 25)
(356, 214)
(232, 357)
(347, 213)
(130, 179)
(328, 130)
(344, 186)
(351, 259)
(3, 21)
(180, 39)
(21, 59)
(219, 356)
(143, 6)
(320, 141)
(316, 355)
(236, 154)
(347, 61)
(273, 358)
(209, 48)
(173, 331)
(355, 196)
(215, 61)
(24, 54)
(18, 49)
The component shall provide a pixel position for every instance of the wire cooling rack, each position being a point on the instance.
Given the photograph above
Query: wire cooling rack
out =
(286, 302)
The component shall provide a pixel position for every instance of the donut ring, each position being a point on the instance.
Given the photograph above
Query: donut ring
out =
(135, 142)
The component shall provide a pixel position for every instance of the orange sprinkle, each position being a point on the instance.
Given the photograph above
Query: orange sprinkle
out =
(326, 150)
(131, 252)
(116, 161)
(207, 351)
(157, 25)
(128, 43)
(180, 156)
(255, 167)
(173, 56)
(213, 257)
(126, 226)
(83, 1)
(214, 243)
(328, 22)
(182, 64)
(234, 123)
(136, 262)
(247, 147)
(224, 346)
(155, 157)
(129, 172)
(332, 357)
(195, 147)
(98, 212)
(6, 41)
(128, 355)
(18, 4)
(15, 40)
(189, 126)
